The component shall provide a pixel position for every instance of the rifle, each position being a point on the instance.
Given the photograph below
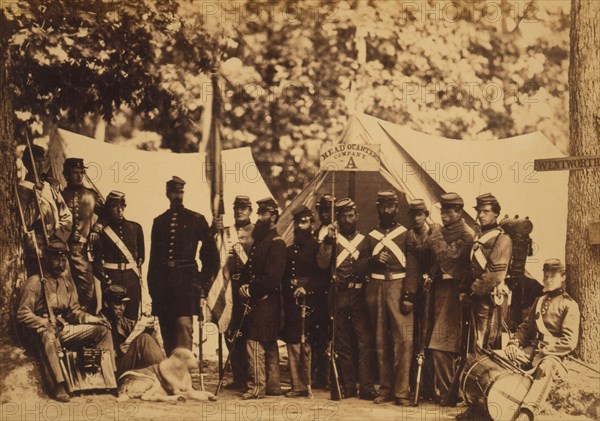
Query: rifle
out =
(236, 335)
(51, 315)
(335, 389)
(424, 335)
(37, 199)
(305, 365)
(452, 395)
(200, 341)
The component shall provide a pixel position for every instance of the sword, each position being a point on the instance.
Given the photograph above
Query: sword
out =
(305, 364)
(236, 335)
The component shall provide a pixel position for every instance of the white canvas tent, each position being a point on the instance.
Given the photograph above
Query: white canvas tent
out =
(142, 175)
(424, 166)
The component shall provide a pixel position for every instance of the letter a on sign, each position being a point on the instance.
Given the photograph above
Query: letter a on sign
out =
(351, 165)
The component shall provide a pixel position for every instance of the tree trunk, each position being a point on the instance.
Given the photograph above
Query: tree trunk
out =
(583, 260)
(10, 235)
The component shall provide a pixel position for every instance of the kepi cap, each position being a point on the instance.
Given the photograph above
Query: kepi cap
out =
(267, 205)
(71, 163)
(486, 199)
(553, 265)
(325, 201)
(450, 200)
(301, 212)
(417, 205)
(115, 196)
(242, 201)
(57, 248)
(344, 205)
(175, 184)
(386, 196)
(116, 293)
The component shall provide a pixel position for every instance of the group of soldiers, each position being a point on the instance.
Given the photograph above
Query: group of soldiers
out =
(366, 291)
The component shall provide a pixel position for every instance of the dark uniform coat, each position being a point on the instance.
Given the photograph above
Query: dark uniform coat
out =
(173, 276)
(450, 265)
(109, 254)
(301, 271)
(239, 244)
(264, 274)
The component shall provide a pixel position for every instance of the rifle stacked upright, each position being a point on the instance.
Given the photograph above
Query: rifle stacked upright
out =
(424, 334)
(334, 381)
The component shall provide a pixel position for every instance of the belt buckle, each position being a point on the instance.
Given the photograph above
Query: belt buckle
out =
(122, 266)
(351, 285)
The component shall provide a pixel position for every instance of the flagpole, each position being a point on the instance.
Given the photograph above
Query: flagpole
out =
(218, 202)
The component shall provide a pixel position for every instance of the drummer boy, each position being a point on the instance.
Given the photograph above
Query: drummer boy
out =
(550, 332)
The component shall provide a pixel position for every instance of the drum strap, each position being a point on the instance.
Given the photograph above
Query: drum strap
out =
(539, 320)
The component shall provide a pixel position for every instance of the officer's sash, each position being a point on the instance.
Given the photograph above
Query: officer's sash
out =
(349, 248)
(234, 240)
(387, 240)
(121, 246)
(476, 250)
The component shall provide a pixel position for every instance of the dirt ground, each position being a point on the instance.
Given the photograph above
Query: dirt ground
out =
(22, 398)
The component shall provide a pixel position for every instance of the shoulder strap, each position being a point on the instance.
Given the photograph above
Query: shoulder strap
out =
(234, 241)
(476, 250)
(348, 248)
(123, 248)
(388, 241)
(539, 319)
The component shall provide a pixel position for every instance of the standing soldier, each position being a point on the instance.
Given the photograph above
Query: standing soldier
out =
(418, 260)
(325, 211)
(351, 314)
(84, 204)
(120, 253)
(174, 282)
(262, 287)
(320, 310)
(485, 289)
(390, 296)
(33, 195)
(301, 284)
(450, 246)
(238, 242)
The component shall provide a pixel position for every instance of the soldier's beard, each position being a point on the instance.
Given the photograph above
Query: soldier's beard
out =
(347, 228)
(386, 220)
(302, 236)
(261, 229)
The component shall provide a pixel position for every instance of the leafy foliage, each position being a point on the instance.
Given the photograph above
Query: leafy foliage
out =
(292, 72)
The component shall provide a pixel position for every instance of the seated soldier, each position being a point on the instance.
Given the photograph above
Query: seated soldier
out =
(135, 346)
(550, 332)
(65, 325)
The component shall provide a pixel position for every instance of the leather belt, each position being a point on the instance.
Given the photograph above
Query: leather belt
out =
(179, 263)
(299, 281)
(119, 266)
(392, 276)
(350, 285)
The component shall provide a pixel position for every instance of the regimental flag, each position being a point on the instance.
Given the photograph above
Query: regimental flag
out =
(219, 301)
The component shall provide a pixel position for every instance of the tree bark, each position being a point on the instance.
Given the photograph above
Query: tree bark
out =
(583, 259)
(11, 267)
